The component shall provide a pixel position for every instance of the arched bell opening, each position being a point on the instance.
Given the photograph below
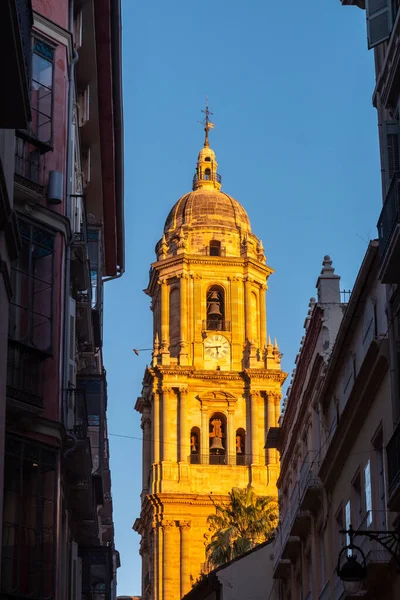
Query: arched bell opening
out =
(216, 308)
(240, 447)
(217, 439)
(207, 174)
(195, 446)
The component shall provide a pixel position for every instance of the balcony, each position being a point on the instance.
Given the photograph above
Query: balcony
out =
(310, 487)
(80, 271)
(216, 325)
(207, 177)
(376, 556)
(16, 21)
(29, 168)
(97, 572)
(76, 399)
(25, 375)
(393, 460)
(389, 234)
(84, 325)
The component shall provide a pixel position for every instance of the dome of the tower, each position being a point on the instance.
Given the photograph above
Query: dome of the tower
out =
(207, 208)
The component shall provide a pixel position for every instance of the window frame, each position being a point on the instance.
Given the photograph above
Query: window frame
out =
(18, 274)
(45, 145)
(42, 459)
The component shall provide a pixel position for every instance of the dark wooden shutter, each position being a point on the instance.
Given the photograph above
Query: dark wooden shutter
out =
(379, 21)
(391, 146)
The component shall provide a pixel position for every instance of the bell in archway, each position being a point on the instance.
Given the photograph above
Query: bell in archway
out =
(216, 444)
(193, 443)
(213, 297)
(214, 310)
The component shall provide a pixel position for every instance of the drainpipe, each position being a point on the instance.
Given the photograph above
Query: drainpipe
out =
(68, 191)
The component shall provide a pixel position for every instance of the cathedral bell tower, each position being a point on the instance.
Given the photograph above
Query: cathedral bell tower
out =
(214, 386)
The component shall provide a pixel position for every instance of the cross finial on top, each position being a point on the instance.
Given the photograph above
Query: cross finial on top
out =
(207, 123)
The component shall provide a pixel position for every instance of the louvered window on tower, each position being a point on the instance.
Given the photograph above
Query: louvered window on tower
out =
(379, 21)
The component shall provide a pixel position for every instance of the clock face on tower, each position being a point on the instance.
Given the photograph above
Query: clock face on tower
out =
(216, 347)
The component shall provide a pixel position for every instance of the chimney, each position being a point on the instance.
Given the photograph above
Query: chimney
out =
(328, 283)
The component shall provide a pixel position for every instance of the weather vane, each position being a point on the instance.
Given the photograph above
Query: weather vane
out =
(207, 123)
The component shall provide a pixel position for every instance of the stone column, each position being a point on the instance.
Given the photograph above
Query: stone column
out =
(263, 317)
(168, 441)
(231, 437)
(185, 557)
(156, 427)
(204, 435)
(198, 315)
(183, 353)
(271, 452)
(190, 327)
(147, 451)
(237, 317)
(247, 307)
(171, 561)
(184, 434)
(164, 322)
(156, 556)
(255, 448)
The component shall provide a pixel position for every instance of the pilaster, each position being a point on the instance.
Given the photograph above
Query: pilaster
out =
(197, 319)
(165, 355)
(255, 449)
(169, 418)
(171, 561)
(146, 462)
(185, 586)
(183, 353)
(184, 434)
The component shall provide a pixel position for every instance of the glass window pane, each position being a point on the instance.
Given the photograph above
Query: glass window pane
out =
(368, 492)
(42, 72)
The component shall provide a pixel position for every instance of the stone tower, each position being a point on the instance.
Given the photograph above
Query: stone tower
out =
(214, 386)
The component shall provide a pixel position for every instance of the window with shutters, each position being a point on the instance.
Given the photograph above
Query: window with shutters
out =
(379, 21)
(31, 308)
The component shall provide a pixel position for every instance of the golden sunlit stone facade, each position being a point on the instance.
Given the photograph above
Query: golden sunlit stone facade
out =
(214, 386)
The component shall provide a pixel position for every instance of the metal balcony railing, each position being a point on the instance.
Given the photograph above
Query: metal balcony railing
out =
(216, 325)
(25, 374)
(29, 167)
(77, 399)
(393, 459)
(219, 459)
(207, 177)
(390, 214)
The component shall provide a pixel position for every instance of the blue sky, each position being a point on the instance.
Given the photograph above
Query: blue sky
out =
(290, 86)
